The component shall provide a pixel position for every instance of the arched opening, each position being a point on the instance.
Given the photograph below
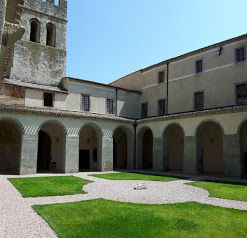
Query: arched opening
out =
(10, 147)
(120, 149)
(51, 148)
(89, 148)
(44, 152)
(210, 149)
(35, 31)
(147, 150)
(50, 35)
(174, 148)
(243, 148)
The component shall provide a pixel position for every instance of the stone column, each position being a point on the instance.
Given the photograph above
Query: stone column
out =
(29, 154)
(158, 156)
(190, 155)
(232, 156)
(107, 151)
(72, 154)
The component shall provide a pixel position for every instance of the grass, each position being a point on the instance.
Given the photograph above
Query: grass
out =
(49, 186)
(102, 219)
(227, 190)
(135, 176)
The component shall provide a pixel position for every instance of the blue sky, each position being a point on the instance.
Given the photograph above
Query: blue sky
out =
(108, 39)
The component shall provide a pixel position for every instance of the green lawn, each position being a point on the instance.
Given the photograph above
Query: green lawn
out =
(103, 219)
(135, 176)
(219, 189)
(49, 186)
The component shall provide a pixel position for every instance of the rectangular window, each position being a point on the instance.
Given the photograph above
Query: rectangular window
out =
(162, 107)
(109, 106)
(198, 66)
(241, 93)
(85, 103)
(144, 110)
(240, 54)
(48, 99)
(199, 98)
(161, 77)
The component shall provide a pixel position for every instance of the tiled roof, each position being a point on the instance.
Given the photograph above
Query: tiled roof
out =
(229, 109)
(60, 113)
(34, 86)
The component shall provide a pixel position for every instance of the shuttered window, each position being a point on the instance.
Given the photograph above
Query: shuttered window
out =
(240, 54)
(162, 107)
(85, 102)
(198, 66)
(109, 106)
(199, 98)
(241, 93)
(161, 77)
(144, 110)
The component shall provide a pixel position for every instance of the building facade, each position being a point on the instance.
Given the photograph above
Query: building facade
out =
(186, 114)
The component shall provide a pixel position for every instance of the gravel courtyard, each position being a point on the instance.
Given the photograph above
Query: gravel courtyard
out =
(17, 218)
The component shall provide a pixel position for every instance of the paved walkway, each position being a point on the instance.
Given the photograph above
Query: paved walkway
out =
(17, 219)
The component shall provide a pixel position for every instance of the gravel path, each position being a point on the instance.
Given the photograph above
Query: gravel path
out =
(17, 219)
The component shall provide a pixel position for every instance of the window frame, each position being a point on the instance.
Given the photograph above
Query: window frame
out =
(164, 111)
(53, 40)
(236, 93)
(203, 98)
(146, 112)
(110, 111)
(37, 33)
(83, 104)
(236, 54)
(196, 66)
(161, 79)
(52, 99)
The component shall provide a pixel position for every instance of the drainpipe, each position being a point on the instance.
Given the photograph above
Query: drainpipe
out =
(167, 78)
(135, 152)
(116, 101)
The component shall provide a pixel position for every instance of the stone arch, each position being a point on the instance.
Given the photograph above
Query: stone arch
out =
(123, 148)
(35, 30)
(145, 148)
(209, 141)
(209, 120)
(51, 147)
(11, 131)
(173, 141)
(90, 147)
(242, 132)
(50, 34)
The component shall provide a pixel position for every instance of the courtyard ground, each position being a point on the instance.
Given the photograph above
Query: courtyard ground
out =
(18, 219)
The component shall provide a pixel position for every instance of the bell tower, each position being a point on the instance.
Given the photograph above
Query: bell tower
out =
(40, 56)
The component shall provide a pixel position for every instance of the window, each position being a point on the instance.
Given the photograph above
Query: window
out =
(161, 77)
(144, 110)
(35, 30)
(50, 34)
(240, 54)
(85, 103)
(161, 107)
(241, 93)
(198, 66)
(198, 103)
(109, 106)
(48, 99)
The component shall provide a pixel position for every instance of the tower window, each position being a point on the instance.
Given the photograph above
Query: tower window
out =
(50, 34)
(35, 30)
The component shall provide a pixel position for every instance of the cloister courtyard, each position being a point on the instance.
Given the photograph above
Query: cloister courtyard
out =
(170, 206)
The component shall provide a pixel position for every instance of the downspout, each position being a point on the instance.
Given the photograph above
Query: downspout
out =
(135, 157)
(116, 102)
(167, 80)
